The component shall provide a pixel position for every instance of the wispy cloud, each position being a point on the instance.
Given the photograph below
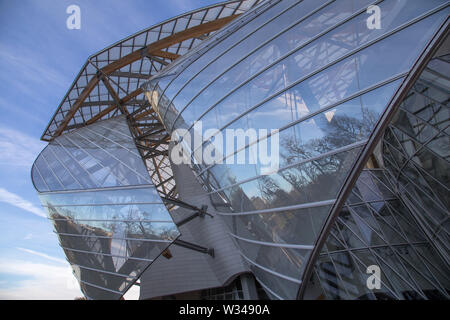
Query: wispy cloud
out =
(29, 236)
(29, 70)
(17, 148)
(43, 255)
(19, 202)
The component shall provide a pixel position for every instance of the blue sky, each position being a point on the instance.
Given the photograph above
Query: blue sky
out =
(39, 59)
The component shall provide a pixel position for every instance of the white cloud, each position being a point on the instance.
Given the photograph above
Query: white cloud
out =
(42, 281)
(17, 148)
(18, 201)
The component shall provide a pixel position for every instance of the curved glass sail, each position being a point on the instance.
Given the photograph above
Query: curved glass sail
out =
(376, 228)
(109, 218)
(417, 150)
(309, 71)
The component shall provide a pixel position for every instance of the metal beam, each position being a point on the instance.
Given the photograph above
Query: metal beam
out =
(199, 213)
(185, 205)
(195, 247)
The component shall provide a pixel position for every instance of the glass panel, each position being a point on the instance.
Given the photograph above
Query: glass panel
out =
(154, 212)
(222, 45)
(110, 236)
(100, 279)
(103, 154)
(282, 288)
(382, 233)
(286, 227)
(240, 52)
(284, 261)
(318, 180)
(102, 196)
(305, 63)
(38, 182)
(91, 292)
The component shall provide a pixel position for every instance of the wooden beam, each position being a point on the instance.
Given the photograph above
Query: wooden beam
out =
(111, 91)
(153, 49)
(132, 95)
(143, 114)
(84, 94)
(156, 47)
(124, 100)
(101, 114)
(115, 96)
(165, 54)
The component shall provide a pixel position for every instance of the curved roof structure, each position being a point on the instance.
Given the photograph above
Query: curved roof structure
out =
(109, 83)
(126, 65)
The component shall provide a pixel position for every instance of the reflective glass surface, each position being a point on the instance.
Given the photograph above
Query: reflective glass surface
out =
(109, 218)
(416, 149)
(376, 228)
(311, 70)
(397, 217)
(100, 155)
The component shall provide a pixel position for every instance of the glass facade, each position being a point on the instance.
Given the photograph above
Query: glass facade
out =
(308, 83)
(375, 227)
(109, 217)
(417, 150)
(311, 71)
(397, 217)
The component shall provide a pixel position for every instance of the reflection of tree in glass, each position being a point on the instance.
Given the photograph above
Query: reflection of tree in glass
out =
(341, 131)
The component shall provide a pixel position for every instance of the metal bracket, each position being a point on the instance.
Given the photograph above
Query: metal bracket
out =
(143, 52)
(195, 247)
(157, 59)
(199, 212)
(100, 75)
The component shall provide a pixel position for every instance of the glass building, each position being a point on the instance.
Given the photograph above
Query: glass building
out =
(349, 98)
